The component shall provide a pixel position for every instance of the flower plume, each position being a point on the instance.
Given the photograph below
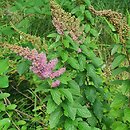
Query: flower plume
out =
(116, 19)
(64, 21)
(40, 65)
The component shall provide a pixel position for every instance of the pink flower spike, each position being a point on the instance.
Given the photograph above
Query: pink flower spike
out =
(55, 83)
(58, 73)
(51, 65)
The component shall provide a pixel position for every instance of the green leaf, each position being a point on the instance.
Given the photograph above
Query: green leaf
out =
(2, 106)
(74, 88)
(11, 107)
(69, 125)
(55, 117)
(92, 73)
(56, 96)
(114, 49)
(82, 62)
(65, 78)
(5, 122)
(90, 54)
(92, 121)
(83, 126)
(4, 65)
(21, 122)
(66, 43)
(22, 67)
(4, 95)
(73, 62)
(90, 93)
(98, 109)
(67, 94)
(110, 25)
(83, 112)
(82, 8)
(94, 32)
(69, 111)
(117, 61)
(4, 83)
(81, 78)
(7, 31)
(119, 101)
(52, 35)
(117, 125)
(125, 87)
(87, 2)
(118, 71)
(127, 115)
(88, 15)
(51, 106)
(87, 28)
(64, 55)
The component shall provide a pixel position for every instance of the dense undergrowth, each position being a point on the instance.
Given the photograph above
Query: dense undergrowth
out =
(65, 65)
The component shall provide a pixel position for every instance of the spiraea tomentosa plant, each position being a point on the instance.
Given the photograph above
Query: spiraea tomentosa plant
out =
(116, 19)
(40, 65)
(64, 21)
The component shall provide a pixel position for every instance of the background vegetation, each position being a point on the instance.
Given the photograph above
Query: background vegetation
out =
(94, 93)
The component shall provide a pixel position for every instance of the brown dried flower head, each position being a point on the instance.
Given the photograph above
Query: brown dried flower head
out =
(30, 38)
(64, 21)
(116, 19)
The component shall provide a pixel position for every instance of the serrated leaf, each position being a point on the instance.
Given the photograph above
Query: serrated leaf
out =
(74, 88)
(125, 86)
(73, 62)
(51, 106)
(82, 62)
(90, 93)
(118, 71)
(64, 55)
(117, 61)
(118, 125)
(4, 95)
(92, 73)
(69, 111)
(66, 43)
(22, 67)
(90, 54)
(94, 32)
(83, 126)
(56, 96)
(83, 112)
(4, 65)
(69, 125)
(67, 94)
(11, 107)
(64, 78)
(55, 117)
(4, 83)
(126, 115)
(118, 102)
(98, 109)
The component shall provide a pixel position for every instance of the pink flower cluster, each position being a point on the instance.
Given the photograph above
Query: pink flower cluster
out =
(40, 65)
